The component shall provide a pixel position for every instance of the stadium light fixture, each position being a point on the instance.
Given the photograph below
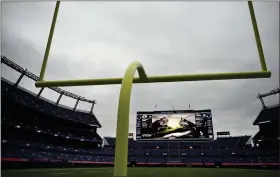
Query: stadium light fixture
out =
(127, 81)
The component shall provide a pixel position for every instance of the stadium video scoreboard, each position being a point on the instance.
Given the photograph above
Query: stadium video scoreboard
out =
(174, 125)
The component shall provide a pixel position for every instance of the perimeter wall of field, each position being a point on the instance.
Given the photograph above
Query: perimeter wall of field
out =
(15, 163)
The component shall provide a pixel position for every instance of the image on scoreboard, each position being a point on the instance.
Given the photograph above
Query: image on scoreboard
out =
(176, 126)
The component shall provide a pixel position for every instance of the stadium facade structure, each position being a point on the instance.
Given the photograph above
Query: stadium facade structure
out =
(39, 133)
(268, 136)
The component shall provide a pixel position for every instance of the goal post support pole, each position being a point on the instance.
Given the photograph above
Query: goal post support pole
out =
(121, 149)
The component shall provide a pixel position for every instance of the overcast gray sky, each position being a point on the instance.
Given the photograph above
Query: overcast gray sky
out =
(100, 39)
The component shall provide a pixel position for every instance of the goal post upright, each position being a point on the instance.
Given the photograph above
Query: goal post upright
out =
(257, 35)
(121, 151)
(49, 42)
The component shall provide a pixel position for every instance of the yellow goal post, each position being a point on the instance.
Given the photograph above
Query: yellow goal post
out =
(121, 150)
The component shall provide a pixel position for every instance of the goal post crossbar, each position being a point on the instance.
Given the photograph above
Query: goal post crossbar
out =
(158, 79)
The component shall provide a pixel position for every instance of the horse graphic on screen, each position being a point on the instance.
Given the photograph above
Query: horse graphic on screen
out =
(159, 125)
(185, 129)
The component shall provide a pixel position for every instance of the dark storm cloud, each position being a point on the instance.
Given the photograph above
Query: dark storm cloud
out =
(99, 39)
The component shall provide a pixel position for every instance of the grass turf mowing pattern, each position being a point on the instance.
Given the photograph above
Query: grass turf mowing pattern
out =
(141, 172)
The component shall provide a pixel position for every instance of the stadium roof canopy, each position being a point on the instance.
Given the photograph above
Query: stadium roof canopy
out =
(268, 114)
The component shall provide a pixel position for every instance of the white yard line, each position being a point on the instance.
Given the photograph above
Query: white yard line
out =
(148, 172)
(52, 169)
(253, 170)
(59, 173)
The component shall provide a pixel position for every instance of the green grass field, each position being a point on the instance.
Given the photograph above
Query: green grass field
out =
(141, 172)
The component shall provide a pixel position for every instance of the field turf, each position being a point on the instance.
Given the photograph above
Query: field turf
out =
(141, 172)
